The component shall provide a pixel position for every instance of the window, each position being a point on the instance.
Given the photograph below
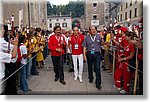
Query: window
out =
(50, 20)
(64, 24)
(135, 14)
(126, 5)
(126, 15)
(50, 25)
(94, 16)
(94, 4)
(57, 24)
(130, 14)
(121, 17)
(57, 19)
(106, 18)
(131, 3)
(121, 7)
(64, 19)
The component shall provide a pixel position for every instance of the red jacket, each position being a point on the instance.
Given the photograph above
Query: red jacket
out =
(54, 43)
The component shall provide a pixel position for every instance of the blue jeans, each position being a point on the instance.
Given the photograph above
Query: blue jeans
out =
(94, 59)
(29, 64)
(23, 78)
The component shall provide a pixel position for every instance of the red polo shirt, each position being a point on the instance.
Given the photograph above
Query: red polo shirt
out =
(77, 40)
(54, 43)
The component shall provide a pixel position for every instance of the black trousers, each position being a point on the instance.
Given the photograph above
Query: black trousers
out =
(58, 66)
(10, 88)
(141, 77)
(94, 59)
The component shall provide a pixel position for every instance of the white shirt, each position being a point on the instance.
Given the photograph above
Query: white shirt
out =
(23, 51)
(4, 57)
(67, 41)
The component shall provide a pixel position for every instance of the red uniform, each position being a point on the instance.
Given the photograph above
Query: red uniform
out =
(119, 51)
(54, 43)
(122, 70)
(77, 40)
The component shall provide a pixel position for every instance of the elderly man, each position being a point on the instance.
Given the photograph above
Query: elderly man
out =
(77, 53)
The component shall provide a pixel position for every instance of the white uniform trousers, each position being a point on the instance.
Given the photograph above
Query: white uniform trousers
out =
(78, 73)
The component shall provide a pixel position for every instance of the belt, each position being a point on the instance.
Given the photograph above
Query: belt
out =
(90, 52)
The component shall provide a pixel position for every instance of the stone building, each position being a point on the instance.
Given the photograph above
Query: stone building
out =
(31, 13)
(130, 11)
(111, 12)
(64, 21)
(94, 13)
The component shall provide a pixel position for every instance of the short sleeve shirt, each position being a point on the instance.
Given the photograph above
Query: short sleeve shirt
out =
(92, 44)
(23, 50)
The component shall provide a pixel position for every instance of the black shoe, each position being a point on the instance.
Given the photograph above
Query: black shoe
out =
(70, 70)
(103, 66)
(63, 82)
(98, 87)
(35, 74)
(56, 79)
(105, 69)
(90, 81)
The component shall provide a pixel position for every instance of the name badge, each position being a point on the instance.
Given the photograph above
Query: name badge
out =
(76, 46)
(92, 52)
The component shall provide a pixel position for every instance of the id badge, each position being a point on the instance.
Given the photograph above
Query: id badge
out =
(92, 52)
(76, 46)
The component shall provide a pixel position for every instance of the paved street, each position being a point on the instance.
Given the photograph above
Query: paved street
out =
(44, 83)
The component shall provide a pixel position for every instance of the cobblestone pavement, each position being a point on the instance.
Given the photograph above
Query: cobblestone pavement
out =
(44, 84)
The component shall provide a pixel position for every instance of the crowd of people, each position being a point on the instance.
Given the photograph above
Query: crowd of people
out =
(22, 54)
(118, 50)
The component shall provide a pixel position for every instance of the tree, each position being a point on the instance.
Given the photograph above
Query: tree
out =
(76, 8)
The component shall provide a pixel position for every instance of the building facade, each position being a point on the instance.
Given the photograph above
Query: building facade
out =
(1, 12)
(31, 13)
(64, 21)
(94, 13)
(130, 11)
(111, 12)
(106, 14)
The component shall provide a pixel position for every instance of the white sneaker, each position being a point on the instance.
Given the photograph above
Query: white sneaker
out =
(75, 78)
(80, 80)
(117, 88)
(123, 92)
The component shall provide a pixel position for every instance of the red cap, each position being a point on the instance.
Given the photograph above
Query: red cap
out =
(124, 29)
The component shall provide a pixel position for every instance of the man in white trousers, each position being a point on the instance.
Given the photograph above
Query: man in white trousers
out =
(75, 43)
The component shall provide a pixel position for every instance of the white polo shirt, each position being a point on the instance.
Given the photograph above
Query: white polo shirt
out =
(23, 51)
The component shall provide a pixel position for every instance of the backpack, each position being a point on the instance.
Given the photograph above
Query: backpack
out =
(19, 55)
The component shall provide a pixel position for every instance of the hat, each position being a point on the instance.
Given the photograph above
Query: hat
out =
(124, 29)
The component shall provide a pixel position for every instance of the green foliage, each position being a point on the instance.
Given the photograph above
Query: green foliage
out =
(75, 8)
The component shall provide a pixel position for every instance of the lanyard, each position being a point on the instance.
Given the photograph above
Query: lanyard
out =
(76, 41)
(93, 39)
(57, 38)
